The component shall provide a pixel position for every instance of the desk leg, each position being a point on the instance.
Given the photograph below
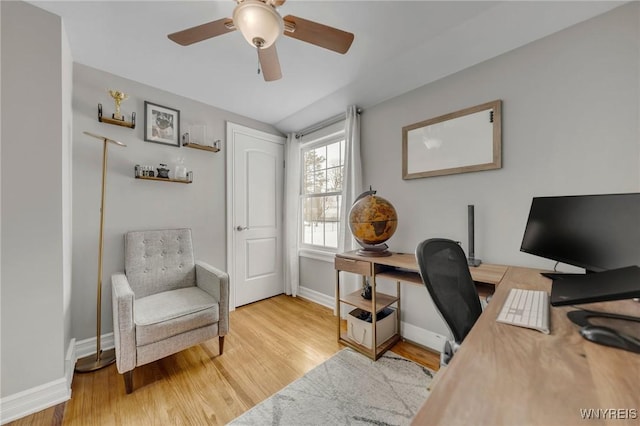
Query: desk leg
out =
(398, 310)
(338, 301)
(374, 318)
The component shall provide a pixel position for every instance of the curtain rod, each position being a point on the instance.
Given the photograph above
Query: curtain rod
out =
(325, 123)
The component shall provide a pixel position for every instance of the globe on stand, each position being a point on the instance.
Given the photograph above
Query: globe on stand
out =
(372, 220)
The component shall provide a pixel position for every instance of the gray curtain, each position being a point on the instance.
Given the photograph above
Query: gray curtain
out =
(291, 215)
(351, 188)
(352, 177)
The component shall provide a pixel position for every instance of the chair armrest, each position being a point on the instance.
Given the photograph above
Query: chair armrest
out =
(124, 334)
(216, 283)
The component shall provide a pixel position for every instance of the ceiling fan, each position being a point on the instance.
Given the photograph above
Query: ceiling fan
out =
(261, 25)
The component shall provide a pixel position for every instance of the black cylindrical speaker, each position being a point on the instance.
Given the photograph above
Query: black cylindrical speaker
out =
(471, 258)
(471, 231)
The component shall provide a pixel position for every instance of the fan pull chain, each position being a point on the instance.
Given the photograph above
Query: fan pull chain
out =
(258, 52)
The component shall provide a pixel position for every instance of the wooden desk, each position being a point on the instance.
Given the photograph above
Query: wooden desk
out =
(507, 375)
(404, 267)
(399, 267)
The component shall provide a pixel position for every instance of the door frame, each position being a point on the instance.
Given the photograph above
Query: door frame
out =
(232, 129)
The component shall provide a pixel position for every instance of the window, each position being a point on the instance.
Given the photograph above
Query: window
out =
(322, 167)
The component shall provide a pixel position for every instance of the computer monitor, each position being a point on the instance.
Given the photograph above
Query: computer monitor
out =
(594, 232)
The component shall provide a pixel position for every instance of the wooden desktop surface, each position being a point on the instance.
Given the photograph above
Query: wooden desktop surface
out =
(507, 375)
(406, 268)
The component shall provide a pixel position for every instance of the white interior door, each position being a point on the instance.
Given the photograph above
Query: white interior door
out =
(255, 164)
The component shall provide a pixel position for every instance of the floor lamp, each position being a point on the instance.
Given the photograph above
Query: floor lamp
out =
(101, 358)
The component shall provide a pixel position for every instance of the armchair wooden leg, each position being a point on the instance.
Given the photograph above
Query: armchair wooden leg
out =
(221, 343)
(128, 381)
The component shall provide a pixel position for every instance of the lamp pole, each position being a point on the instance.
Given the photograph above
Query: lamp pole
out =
(101, 358)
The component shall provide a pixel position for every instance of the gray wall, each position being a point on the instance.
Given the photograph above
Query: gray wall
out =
(134, 204)
(35, 201)
(570, 126)
(67, 197)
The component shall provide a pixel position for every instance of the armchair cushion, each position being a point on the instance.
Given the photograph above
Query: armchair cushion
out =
(157, 261)
(166, 314)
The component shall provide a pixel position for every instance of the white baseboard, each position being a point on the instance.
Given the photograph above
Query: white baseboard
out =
(317, 297)
(88, 346)
(423, 336)
(408, 331)
(35, 399)
(41, 397)
(70, 362)
(49, 394)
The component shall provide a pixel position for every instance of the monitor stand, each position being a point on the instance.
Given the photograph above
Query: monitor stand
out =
(613, 284)
(558, 275)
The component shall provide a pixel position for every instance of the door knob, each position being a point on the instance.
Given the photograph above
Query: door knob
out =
(241, 228)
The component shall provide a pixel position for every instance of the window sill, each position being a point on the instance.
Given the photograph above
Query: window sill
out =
(324, 256)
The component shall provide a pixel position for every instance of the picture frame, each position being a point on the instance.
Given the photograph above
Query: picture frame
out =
(161, 124)
(464, 141)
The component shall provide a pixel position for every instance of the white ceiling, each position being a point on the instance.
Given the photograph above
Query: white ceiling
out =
(398, 46)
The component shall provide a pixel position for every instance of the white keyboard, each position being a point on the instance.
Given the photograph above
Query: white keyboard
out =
(526, 308)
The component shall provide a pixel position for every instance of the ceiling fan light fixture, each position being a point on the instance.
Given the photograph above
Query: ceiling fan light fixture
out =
(259, 23)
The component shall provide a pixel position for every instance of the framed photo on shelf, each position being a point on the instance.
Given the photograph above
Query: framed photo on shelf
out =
(161, 124)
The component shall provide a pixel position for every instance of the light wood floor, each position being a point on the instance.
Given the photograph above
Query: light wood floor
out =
(271, 343)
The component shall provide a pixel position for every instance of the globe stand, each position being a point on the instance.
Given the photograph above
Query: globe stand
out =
(371, 250)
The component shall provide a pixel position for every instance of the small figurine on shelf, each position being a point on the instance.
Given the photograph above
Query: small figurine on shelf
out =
(366, 290)
(163, 171)
(117, 117)
(118, 97)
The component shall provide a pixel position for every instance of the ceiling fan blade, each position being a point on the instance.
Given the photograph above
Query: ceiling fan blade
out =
(279, 3)
(203, 32)
(318, 34)
(269, 63)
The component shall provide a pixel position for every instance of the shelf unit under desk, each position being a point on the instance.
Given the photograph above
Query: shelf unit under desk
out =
(367, 269)
(399, 267)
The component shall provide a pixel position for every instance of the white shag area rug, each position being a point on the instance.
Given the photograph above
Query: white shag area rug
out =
(347, 389)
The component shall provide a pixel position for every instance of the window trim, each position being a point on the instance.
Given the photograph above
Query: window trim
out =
(311, 250)
(323, 255)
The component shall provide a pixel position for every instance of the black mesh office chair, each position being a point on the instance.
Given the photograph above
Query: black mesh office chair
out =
(445, 273)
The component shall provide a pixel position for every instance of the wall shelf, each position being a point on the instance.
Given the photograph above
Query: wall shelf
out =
(202, 147)
(163, 179)
(130, 124)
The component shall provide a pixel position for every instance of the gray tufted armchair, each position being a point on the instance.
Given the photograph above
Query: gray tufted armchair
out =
(165, 302)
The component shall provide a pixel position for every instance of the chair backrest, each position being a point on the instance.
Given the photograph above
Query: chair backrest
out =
(445, 273)
(157, 261)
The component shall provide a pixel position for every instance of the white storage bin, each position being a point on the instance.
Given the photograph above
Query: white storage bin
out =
(360, 331)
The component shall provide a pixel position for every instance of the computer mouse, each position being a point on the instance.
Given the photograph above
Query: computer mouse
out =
(609, 337)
